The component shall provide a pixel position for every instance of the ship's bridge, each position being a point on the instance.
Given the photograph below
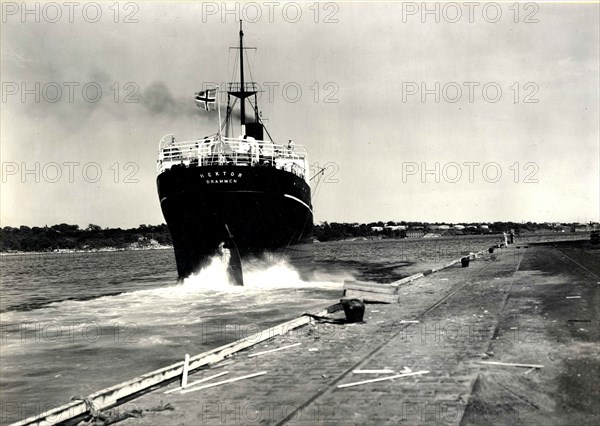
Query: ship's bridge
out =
(248, 152)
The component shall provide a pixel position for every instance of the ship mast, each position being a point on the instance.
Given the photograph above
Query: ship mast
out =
(242, 97)
(243, 90)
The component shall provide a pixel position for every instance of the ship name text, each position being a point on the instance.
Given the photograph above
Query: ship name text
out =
(223, 177)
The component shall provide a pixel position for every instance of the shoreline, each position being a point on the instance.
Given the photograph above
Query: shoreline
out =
(75, 251)
(522, 239)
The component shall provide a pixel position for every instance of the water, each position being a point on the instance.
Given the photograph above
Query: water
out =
(72, 324)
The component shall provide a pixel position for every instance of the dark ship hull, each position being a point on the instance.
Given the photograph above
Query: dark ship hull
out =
(267, 211)
(246, 192)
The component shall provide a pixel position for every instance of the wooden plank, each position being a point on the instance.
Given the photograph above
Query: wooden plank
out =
(369, 297)
(109, 397)
(430, 271)
(451, 263)
(510, 364)
(372, 287)
(407, 279)
(206, 379)
(274, 350)
(186, 369)
(210, 385)
(349, 285)
(373, 371)
(381, 379)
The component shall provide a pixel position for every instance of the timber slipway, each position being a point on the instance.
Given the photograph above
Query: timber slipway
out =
(512, 338)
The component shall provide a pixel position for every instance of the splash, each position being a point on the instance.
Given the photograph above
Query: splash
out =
(212, 277)
(208, 290)
(259, 274)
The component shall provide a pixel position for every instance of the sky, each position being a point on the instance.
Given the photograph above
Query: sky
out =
(438, 112)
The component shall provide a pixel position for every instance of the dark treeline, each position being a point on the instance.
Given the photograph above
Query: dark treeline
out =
(71, 237)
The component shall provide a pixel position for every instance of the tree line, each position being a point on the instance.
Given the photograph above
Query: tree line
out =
(94, 237)
(72, 237)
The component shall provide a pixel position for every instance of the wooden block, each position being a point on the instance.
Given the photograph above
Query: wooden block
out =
(370, 297)
(371, 287)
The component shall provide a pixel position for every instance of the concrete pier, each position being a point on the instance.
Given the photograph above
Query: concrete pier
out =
(536, 304)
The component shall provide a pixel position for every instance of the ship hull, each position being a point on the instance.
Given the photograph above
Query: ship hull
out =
(267, 210)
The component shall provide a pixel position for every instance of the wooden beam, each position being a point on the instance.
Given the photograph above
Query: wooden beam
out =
(510, 364)
(451, 263)
(407, 279)
(370, 297)
(381, 379)
(210, 385)
(372, 287)
(274, 350)
(206, 379)
(186, 369)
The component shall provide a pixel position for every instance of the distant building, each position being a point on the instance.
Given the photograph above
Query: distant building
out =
(396, 227)
(377, 228)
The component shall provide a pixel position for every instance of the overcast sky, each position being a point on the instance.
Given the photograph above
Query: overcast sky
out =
(510, 131)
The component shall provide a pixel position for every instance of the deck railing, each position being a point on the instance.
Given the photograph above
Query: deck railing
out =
(211, 151)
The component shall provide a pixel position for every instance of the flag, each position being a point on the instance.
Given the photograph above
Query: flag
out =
(206, 98)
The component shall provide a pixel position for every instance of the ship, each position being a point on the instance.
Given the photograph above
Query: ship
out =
(237, 190)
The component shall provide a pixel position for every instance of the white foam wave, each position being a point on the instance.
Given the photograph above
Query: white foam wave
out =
(208, 292)
(259, 274)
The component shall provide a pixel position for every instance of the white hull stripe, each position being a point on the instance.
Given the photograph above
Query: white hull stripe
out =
(299, 200)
